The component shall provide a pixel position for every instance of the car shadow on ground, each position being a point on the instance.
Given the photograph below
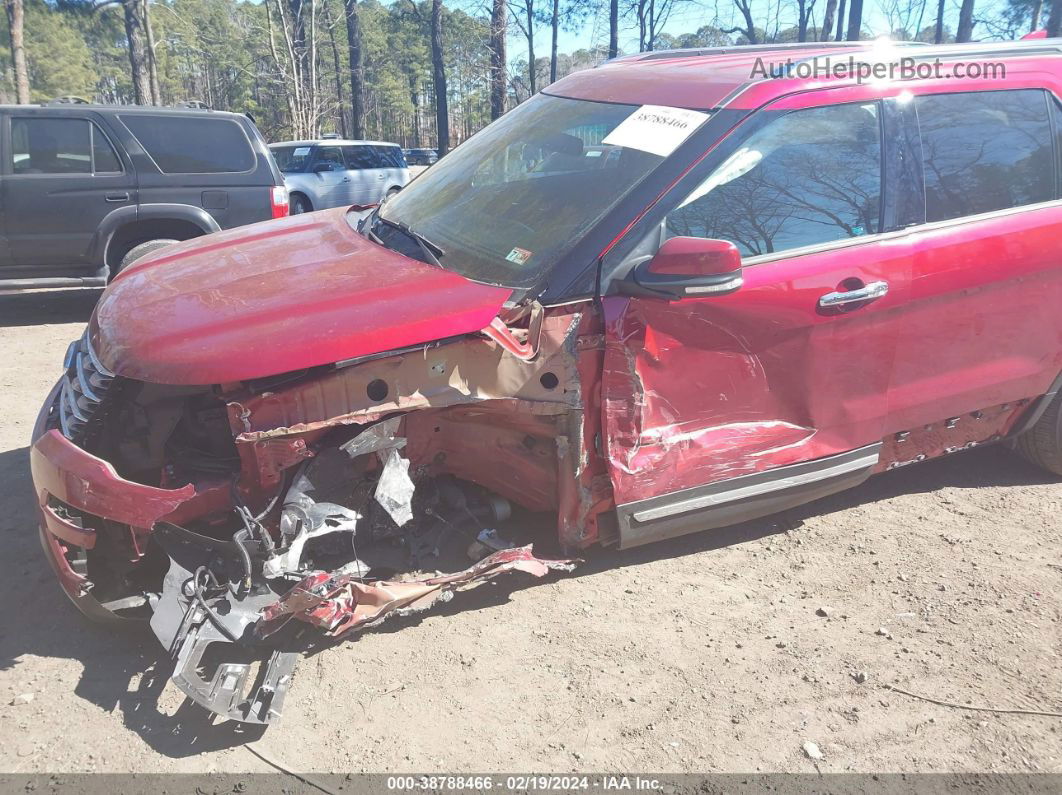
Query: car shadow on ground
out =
(988, 466)
(123, 670)
(33, 307)
(127, 671)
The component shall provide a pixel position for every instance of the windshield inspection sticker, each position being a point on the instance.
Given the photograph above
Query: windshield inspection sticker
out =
(656, 129)
(518, 256)
(301, 151)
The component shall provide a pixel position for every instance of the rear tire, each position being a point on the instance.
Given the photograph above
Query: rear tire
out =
(141, 250)
(299, 204)
(1042, 443)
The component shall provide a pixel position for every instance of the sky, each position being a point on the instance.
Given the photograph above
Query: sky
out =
(689, 16)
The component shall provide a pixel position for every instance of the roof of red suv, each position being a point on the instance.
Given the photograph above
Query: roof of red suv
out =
(708, 79)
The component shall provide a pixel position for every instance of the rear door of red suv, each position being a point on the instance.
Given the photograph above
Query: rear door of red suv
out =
(982, 329)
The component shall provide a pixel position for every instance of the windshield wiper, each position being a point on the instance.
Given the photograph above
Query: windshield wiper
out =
(430, 250)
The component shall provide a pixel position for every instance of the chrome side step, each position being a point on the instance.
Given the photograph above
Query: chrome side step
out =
(742, 498)
(52, 282)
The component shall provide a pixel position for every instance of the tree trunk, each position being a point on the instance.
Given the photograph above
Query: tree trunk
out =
(641, 25)
(529, 8)
(153, 67)
(855, 20)
(827, 20)
(499, 18)
(938, 36)
(555, 24)
(966, 22)
(357, 70)
(337, 70)
(802, 20)
(613, 28)
(1054, 19)
(414, 98)
(15, 23)
(1037, 12)
(297, 9)
(442, 112)
(745, 7)
(840, 22)
(133, 12)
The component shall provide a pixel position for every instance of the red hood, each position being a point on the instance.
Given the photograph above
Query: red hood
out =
(277, 297)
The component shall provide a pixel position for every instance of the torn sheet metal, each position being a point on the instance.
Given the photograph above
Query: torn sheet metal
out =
(340, 604)
(464, 371)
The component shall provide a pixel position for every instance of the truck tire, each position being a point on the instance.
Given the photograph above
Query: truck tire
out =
(141, 250)
(1042, 443)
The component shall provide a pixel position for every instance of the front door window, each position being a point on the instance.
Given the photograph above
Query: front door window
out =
(809, 177)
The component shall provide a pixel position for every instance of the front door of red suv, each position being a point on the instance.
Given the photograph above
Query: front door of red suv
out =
(722, 408)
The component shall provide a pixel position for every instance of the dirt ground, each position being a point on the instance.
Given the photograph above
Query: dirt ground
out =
(701, 654)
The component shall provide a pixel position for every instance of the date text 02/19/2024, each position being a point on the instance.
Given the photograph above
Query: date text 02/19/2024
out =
(522, 783)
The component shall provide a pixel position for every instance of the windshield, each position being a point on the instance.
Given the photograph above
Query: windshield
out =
(291, 158)
(506, 205)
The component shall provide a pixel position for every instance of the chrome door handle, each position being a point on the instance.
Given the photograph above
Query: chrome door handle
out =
(868, 292)
(116, 197)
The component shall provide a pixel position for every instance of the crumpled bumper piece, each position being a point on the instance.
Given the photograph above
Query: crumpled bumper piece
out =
(63, 470)
(341, 603)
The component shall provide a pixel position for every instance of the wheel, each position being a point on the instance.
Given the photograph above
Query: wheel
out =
(391, 193)
(141, 250)
(1042, 443)
(300, 204)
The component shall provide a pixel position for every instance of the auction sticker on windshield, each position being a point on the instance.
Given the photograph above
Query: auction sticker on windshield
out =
(656, 129)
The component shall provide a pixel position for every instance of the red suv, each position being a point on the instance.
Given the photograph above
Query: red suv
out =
(679, 291)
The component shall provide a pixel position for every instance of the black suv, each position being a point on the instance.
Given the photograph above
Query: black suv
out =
(421, 157)
(86, 189)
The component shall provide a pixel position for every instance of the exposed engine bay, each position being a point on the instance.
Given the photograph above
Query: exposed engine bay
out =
(316, 504)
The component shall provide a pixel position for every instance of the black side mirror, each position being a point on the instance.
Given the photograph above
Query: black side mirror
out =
(322, 168)
(690, 266)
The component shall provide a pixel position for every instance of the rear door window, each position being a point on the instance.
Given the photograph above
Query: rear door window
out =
(985, 151)
(809, 177)
(390, 157)
(187, 145)
(361, 157)
(328, 156)
(61, 146)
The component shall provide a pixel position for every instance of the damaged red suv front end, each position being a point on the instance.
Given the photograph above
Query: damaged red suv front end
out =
(318, 448)
(312, 421)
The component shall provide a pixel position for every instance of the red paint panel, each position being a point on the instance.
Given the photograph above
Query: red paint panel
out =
(1020, 74)
(275, 297)
(86, 483)
(735, 80)
(982, 326)
(700, 390)
(65, 529)
(700, 82)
